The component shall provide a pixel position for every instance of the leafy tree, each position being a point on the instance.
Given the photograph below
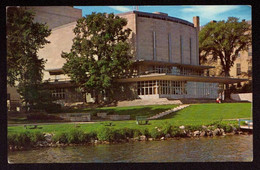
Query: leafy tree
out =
(223, 41)
(24, 39)
(99, 54)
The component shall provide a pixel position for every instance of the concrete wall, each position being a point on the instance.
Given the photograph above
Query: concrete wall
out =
(162, 28)
(55, 16)
(14, 95)
(60, 40)
(242, 97)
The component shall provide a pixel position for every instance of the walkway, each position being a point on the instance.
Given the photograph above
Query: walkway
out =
(52, 123)
(168, 112)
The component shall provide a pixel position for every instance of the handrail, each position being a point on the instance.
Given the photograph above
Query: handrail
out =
(249, 121)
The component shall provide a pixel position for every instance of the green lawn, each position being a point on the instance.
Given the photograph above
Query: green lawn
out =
(197, 114)
(133, 111)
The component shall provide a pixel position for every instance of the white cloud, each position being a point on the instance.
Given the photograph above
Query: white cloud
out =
(120, 8)
(208, 11)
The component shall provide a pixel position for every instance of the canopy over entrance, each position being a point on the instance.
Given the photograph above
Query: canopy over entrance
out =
(166, 76)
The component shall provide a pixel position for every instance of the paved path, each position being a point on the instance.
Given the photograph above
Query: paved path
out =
(168, 111)
(52, 123)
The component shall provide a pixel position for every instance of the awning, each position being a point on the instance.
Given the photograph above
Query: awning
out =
(151, 62)
(56, 71)
(164, 76)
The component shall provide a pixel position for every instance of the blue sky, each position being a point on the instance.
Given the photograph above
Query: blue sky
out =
(186, 12)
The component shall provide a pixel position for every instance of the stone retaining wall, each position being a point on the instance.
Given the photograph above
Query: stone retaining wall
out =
(77, 117)
(242, 97)
(119, 117)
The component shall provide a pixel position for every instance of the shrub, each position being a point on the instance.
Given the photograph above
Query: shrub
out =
(105, 134)
(12, 139)
(25, 138)
(166, 128)
(89, 136)
(175, 131)
(136, 133)
(42, 116)
(36, 136)
(61, 137)
(145, 132)
(194, 127)
(48, 107)
(154, 133)
(76, 136)
(129, 132)
(228, 128)
(123, 133)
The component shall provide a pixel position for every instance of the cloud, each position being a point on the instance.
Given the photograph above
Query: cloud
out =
(120, 8)
(208, 11)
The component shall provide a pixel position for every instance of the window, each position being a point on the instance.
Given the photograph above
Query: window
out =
(58, 93)
(238, 55)
(238, 69)
(170, 47)
(181, 48)
(154, 45)
(8, 96)
(249, 51)
(190, 52)
(249, 68)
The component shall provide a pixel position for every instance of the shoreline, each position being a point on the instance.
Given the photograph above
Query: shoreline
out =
(48, 142)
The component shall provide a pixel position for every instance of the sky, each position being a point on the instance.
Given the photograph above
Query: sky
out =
(206, 13)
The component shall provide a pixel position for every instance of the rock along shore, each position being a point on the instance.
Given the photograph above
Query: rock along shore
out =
(182, 133)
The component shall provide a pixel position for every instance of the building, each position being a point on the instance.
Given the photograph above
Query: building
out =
(53, 16)
(166, 60)
(242, 67)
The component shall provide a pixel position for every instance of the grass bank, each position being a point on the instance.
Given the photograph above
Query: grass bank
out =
(192, 117)
(133, 111)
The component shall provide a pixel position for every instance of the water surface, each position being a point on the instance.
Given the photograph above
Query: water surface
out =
(228, 148)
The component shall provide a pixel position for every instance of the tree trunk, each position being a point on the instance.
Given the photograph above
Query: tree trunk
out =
(96, 98)
(227, 92)
(227, 89)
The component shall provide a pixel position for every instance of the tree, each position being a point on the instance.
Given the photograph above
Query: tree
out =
(24, 39)
(223, 41)
(99, 54)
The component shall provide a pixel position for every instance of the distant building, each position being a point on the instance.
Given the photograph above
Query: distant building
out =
(242, 67)
(166, 60)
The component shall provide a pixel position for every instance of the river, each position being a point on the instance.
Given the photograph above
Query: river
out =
(227, 148)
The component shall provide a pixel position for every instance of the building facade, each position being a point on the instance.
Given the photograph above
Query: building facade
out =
(166, 61)
(242, 67)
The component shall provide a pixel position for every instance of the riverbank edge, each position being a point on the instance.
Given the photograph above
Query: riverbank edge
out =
(49, 142)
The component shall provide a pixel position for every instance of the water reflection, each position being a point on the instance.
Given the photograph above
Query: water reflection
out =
(228, 148)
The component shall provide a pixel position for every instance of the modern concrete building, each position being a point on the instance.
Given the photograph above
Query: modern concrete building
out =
(53, 16)
(166, 60)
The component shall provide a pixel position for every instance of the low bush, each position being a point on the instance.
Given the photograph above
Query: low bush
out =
(145, 132)
(228, 128)
(194, 127)
(25, 138)
(155, 133)
(175, 131)
(76, 136)
(91, 135)
(48, 107)
(36, 136)
(42, 116)
(61, 137)
(136, 133)
(166, 128)
(105, 134)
